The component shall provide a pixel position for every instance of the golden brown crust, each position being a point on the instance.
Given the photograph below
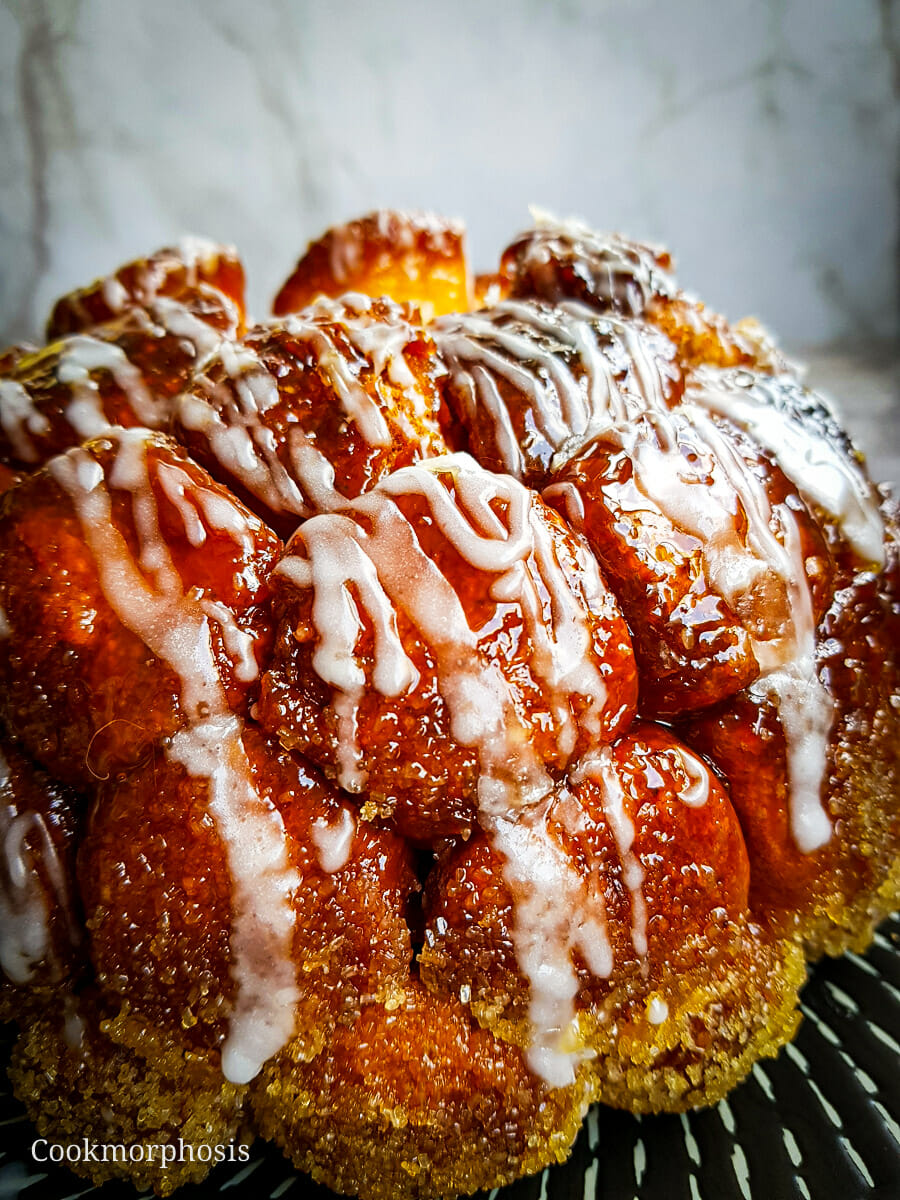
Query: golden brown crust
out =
(409, 256)
(76, 1085)
(415, 1101)
(165, 273)
(156, 890)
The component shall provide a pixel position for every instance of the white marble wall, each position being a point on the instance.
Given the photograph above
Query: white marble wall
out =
(758, 137)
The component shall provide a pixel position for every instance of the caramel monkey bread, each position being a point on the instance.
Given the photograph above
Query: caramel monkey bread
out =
(305, 412)
(429, 711)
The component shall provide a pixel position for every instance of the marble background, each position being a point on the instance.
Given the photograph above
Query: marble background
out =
(759, 138)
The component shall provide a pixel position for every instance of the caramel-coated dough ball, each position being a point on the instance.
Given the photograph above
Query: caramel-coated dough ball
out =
(445, 646)
(194, 262)
(131, 588)
(228, 891)
(125, 372)
(409, 256)
(416, 1101)
(306, 412)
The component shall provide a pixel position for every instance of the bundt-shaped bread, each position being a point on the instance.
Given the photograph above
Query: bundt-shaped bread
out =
(426, 712)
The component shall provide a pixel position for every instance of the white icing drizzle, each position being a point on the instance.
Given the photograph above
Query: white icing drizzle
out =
(601, 768)
(200, 254)
(263, 882)
(25, 901)
(556, 913)
(334, 559)
(696, 794)
(355, 401)
(24, 921)
(231, 417)
(239, 644)
(786, 654)
(115, 294)
(230, 421)
(566, 495)
(175, 626)
(760, 573)
(174, 483)
(657, 1010)
(377, 571)
(618, 268)
(19, 417)
(823, 473)
(82, 355)
(333, 843)
(177, 320)
(523, 342)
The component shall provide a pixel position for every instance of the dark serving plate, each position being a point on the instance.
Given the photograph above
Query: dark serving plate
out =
(820, 1122)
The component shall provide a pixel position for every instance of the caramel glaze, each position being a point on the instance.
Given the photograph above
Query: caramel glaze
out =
(376, 845)
(124, 372)
(80, 690)
(158, 894)
(308, 411)
(430, 792)
(193, 263)
(857, 659)
(655, 845)
(42, 930)
(693, 648)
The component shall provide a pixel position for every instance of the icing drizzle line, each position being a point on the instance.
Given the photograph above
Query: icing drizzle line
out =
(526, 343)
(380, 570)
(175, 626)
(232, 415)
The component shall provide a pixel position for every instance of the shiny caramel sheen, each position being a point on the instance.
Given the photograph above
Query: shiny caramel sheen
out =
(166, 272)
(663, 873)
(158, 360)
(418, 774)
(307, 403)
(82, 692)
